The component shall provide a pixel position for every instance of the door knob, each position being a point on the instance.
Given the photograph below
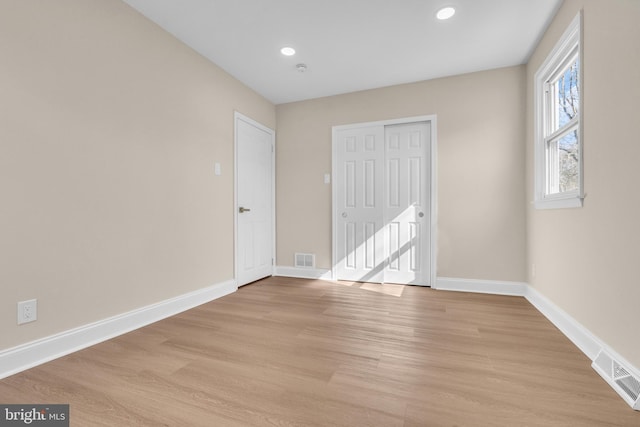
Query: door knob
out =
(243, 210)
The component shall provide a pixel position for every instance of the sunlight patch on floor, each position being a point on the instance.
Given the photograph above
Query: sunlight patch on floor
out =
(381, 288)
(384, 288)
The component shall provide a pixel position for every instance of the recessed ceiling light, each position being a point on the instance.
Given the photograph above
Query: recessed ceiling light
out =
(288, 51)
(445, 13)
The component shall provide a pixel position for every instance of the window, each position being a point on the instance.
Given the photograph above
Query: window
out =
(558, 124)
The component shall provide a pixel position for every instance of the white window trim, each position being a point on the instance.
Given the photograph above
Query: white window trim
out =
(571, 38)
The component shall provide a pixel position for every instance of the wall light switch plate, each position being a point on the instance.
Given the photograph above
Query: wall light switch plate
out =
(216, 169)
(327, 178)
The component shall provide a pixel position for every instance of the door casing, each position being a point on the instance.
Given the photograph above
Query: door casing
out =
(432, 119)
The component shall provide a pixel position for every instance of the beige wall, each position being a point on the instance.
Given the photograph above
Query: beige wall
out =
(586, 259)
(109, 130)
(481, 203)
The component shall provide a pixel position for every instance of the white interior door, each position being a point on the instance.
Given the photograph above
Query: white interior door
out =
(359, 221)
(254, 200)
(406, 203)
(382, 210)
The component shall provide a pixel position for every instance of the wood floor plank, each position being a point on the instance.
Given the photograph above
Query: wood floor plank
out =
(291, 352)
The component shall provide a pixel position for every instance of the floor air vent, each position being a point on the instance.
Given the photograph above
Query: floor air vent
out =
(620, 378)
(305, 260)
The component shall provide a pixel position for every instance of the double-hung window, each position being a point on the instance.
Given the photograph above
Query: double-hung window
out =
(558, 124)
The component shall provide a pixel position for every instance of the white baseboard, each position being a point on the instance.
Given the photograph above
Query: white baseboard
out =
(588, 343)
(37, 352)
(494, 287)
(580, 336)
(303, 273)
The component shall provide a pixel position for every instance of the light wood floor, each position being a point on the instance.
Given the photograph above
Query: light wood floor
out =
(288, 352)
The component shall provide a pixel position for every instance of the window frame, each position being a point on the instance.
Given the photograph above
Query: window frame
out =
(568, 47)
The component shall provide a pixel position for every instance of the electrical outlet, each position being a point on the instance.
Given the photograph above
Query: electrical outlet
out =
(27, 311)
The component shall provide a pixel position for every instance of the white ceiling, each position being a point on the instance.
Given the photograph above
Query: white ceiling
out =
(351, 45)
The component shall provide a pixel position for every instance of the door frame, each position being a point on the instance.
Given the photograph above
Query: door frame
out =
(236, 117)
(432, 119)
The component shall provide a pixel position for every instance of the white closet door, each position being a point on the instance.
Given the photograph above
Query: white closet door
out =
(359, 221)
(406, 203)
(382, 211)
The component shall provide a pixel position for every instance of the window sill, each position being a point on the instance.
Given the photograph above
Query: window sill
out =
(559, 203)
